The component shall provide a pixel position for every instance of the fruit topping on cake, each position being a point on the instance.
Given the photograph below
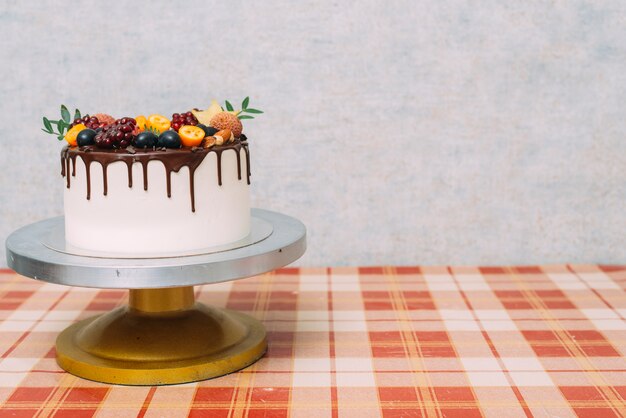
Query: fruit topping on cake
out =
(119, 134)
(191, 136)
(104, 119)
(72, 135)
(145, 139)
(142, 123)
(91, 122)
(225, 120)
(158, 123)
(179, 120)
(208, 130)
(86, 137)
(194, 129)
(204, 116)
(169, 139)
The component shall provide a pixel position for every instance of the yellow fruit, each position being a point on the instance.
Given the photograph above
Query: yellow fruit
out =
(72, 134)
(190, 136)
(227, 120)
(159, 123)
(204, 116)
(142, 122)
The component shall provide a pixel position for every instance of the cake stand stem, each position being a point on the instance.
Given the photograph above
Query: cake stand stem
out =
(163, 336)
(161, 300)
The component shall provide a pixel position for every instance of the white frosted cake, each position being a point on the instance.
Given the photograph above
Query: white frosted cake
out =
(155, 187)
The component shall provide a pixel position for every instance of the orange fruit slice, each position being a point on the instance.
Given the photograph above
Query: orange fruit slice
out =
(158, 122)
(191, 136)
(142, 122)
(72, 134)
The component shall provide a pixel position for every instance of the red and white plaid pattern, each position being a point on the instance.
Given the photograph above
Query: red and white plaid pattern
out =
(357, 342)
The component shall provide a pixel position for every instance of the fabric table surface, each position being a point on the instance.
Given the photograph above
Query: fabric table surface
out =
(545, 341)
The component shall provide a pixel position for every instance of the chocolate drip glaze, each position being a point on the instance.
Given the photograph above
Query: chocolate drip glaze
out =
(129, 165)
(219, 167)
(65, 167)
(105, 181)
(67, 170)
(239, 166)
(247, 151)
(172, 159)
(144, 169)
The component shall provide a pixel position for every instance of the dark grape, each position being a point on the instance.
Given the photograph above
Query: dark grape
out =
(169, 139)
(86, 137)
(208, 130)
(146, 139)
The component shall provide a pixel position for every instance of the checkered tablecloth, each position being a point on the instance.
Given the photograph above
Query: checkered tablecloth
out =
(357, 342)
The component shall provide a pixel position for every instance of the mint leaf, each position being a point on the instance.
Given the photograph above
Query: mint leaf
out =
(47, 124)
(77, 114)
(244, 104)
(253, 111)
(229, 107)
(65, 114)
(245, 117)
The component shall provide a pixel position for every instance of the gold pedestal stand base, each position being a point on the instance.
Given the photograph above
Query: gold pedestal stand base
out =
(162, 337)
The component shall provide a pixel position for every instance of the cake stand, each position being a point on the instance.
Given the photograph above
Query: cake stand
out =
(163, 336)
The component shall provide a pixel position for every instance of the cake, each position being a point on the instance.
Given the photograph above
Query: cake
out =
(155, 186)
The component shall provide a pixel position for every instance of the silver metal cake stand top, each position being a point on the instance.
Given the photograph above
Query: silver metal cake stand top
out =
(28, 255)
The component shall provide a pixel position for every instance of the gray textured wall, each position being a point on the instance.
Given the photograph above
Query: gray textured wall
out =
(400, 132)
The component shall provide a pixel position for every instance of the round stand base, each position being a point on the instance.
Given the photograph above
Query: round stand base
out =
(134, 347)
(163, 336)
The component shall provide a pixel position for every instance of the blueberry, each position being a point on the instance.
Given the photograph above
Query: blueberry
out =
(146, 140)
(208, 130)
(169, 139)
(86, 137)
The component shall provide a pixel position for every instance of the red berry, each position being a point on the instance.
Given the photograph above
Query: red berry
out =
(90, 122)
(180, 119)
(119, 134)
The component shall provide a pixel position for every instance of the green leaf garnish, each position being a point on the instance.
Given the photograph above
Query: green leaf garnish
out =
(47, 125)
(244, 109)
(152, 129)
(65, 114)
(62, 124)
